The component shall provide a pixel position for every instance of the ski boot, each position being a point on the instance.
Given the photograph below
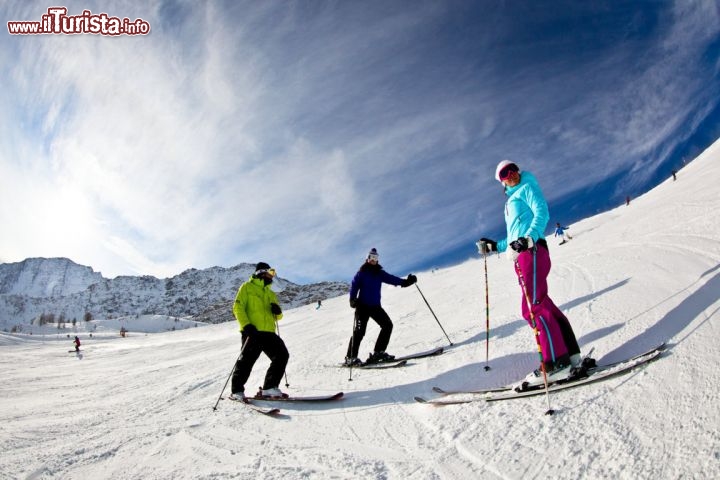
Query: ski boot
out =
(380, 357)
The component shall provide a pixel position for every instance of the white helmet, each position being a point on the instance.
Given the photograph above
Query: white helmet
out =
(502, 165)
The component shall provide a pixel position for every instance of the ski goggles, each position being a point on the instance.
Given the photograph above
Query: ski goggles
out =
(373, 256)
(269, 271)
(504, 174)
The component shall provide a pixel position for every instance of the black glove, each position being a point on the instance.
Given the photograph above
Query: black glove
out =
(522, 244)
(410, 280)
(275, 309)
(250, 330)
(485, 245)
(353, 302)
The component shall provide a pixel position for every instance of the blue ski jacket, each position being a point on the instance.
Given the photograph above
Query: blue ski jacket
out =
(367, 281)
(526, 211)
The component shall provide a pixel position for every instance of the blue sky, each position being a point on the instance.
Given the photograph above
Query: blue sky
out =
(304, 133)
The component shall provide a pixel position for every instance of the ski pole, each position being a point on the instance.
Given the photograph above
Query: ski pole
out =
(231, 372)
(433, 313)
(277, 325)
(352, 348)
(549, 411)
(487, 317)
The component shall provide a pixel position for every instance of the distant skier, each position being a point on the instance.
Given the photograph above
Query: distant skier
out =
(526, 216)
(674, 174)
(256, 309)
(560, 232)
(77, 344)
(318, 305)
(365, 299)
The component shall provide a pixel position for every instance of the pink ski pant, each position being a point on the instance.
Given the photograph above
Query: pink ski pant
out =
(534, 266)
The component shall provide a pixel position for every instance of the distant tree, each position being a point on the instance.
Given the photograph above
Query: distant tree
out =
(88, 316)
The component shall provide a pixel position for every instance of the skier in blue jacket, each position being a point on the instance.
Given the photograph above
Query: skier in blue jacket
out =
(365, 299)
(560, 232)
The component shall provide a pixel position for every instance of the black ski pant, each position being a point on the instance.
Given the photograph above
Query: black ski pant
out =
(362, 314)
(261, 342)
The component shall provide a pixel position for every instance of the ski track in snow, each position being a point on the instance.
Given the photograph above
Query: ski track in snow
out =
(141, 407)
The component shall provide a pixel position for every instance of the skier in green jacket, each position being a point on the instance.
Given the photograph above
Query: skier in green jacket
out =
(256, 309)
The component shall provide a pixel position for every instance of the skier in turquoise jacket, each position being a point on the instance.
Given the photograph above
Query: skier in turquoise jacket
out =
(526, 217)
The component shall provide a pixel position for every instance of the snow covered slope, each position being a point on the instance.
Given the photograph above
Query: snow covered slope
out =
(141, 407)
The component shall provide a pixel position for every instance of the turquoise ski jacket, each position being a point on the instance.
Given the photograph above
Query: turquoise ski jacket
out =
(526, 211)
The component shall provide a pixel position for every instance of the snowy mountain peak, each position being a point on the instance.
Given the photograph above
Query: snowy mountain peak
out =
(46, 277)
(61, 287)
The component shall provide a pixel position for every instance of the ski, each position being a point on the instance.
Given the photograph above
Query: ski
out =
(595, 374)
(587, 364)
(377, 366)
(657, 348)
(319, 398)
(485, 391)
(256, 408)
(429, 353)
(469, 392)
(589, 371)
(399, 361)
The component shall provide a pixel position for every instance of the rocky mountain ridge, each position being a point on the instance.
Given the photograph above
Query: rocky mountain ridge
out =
(67, 290)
